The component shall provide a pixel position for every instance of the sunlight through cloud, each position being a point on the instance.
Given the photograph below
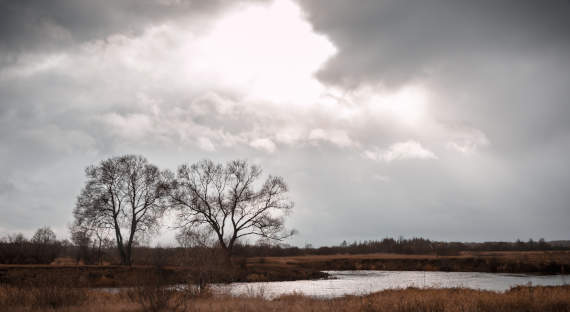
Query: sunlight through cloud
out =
(269, 50)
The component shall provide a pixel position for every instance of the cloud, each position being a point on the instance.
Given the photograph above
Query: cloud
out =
(466, 140)
(6, 187)
(290, 135)
(264, 144)
(206, 144)
(305, 92)
(399, 41)
(176, 82)
(337, 137)
(30, 26)
(380, 178)
(400, 151)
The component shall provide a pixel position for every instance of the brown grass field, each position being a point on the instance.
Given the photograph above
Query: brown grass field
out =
(534, 257)
(539, 262)
(547, 299)
(62, 287)
(296, 268)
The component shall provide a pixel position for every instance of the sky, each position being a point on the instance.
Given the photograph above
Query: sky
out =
(448, 120)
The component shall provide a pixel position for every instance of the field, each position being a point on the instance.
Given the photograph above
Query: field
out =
(553, 299)
(292, 268)
(538, 262)
(66, 287)
(120, 276)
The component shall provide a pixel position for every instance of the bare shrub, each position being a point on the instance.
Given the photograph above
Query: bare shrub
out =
(154, 294)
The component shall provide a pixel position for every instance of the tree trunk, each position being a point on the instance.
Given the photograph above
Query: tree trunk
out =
(120, 245)
(226, 253)
(122, 253)
(128, 253)
(228, 256)
(130, 242)
(99, 260)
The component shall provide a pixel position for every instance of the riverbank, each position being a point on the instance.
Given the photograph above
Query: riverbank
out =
(264, 269)
(531, 262)
(403, 300)
(125, 276)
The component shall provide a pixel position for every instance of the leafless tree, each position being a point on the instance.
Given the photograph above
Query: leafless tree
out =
(190, 237)
(44, 235)
(222, 198)
(125, 195)
(86, 236)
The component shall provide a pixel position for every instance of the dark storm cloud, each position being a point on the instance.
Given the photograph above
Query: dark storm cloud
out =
(396, 41)
(37, 25)
(503, 60)
(501, 67)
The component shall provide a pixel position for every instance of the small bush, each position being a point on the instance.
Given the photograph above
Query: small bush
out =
(153, 294)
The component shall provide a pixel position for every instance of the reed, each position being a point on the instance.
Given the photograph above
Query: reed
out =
(549, 299)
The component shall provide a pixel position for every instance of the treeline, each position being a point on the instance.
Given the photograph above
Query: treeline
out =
(399, 246)
(44, 248)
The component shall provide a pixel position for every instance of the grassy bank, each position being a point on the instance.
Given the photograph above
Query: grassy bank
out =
(553, 299)
(290, 268)
(119, 276)
(536, 262)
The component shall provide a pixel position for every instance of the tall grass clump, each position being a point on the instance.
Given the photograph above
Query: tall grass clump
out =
(48, 292)
(153, 294)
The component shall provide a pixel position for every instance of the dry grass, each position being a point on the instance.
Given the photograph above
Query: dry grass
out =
(544, 262)
(520, 299)
(553, 299)
(562, 256)
(48, 293)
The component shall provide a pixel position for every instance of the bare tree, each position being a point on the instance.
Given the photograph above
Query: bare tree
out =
(85, 235)
(125, 195)
(44, 235)
(81, 238)
(222, 198)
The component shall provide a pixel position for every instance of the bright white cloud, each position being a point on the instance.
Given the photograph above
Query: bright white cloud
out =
(408, 104)
(270, 50)
(264, 144)
(400, 151)
(131, 126)
(289, 135)
(232, 82)
(229, 83)
(336, 137)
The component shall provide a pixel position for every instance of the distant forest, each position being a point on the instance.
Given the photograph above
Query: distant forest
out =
(402, 246)
(44, 248)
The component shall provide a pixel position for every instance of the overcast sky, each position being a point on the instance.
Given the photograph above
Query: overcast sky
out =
(443, 119)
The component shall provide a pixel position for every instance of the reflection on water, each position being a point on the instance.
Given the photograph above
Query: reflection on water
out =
(362, 282)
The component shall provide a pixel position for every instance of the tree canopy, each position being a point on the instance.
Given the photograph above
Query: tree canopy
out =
(229, 201)
(125, 195)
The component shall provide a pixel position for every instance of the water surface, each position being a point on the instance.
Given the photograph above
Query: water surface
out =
(363, 282)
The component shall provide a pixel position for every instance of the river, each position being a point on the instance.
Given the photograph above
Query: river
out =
(362, 282)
